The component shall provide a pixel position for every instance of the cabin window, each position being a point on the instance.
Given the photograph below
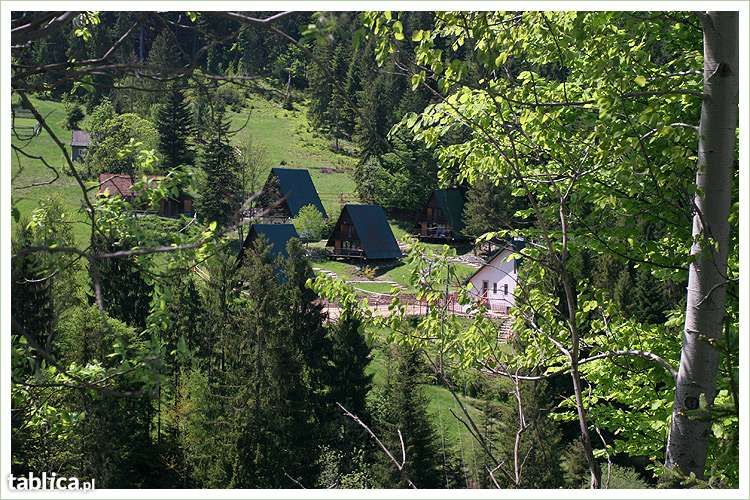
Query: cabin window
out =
(505, 289)
(494, 288)
(485, 286)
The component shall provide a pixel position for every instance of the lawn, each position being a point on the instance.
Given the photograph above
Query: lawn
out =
(27, 171)
(343, 270)
(290, 141)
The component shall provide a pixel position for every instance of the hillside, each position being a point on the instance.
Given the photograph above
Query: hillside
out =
(290, 141)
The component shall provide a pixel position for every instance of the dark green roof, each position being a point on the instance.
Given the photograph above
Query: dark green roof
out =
(373, 231)
(277, 235)
(451, 201)
(297, 187)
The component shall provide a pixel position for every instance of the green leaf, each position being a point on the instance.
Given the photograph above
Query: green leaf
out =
(398, 30)
(501, 58)
(640, 80)
(590, 305)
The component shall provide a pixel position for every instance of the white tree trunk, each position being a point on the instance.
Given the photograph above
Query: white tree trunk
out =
(695, 388)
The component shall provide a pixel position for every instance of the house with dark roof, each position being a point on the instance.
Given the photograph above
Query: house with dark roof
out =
(363, 232)
(285, 192)
(275, 235)
(122, 185)
(442, 217)
(494, 284)
(79, 144)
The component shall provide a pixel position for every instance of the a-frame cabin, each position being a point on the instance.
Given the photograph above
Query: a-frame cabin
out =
(363, 232)
(441, 219)
(276, 235)
(284, 194)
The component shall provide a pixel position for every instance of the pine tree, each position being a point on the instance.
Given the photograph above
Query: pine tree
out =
(350, 358)
(490, 207)
(175, 125)
(279, 364)
(126, 293)
(321, 88)
(539, 446)
(402, 406)
(32, 307)
(221, 194)
(339, 115)
(374, 116)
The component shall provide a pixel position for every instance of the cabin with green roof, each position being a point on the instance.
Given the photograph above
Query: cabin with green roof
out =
(284, 194)
(442, 218)
(275, 235)
(363, 232)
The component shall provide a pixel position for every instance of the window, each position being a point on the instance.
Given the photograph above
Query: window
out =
(494, 288)
(485, 286)
(505, 289)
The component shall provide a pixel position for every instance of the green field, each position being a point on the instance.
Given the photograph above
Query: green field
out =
(27, 171)
(290, 142)
(286, 135)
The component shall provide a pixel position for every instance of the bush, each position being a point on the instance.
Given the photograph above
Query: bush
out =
(230, 97)
(621, 478)
(310, 224)
(73, 115)
(369, 272)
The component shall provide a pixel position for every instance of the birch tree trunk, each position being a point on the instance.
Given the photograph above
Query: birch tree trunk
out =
(695, 388)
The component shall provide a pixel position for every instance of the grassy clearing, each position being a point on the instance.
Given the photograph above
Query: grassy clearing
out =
(343, 270)
(27, 171)
(291, 142)
(287, 136)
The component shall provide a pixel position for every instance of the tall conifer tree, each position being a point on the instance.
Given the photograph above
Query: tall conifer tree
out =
(221, 195)
(175, 125)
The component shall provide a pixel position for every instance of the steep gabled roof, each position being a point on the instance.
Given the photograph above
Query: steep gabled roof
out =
(80, 138)
(277, 235)
(451, 201)
(120, 184)
(116, 184)
(513, 246)
(297, 187)
(373, 231)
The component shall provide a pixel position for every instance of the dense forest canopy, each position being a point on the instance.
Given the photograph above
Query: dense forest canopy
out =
(146, 354)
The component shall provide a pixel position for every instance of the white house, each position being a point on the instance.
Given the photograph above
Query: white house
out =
(495, 282)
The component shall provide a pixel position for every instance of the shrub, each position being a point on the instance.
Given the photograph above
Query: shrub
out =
(73, 115)
(368, 272)
(310, 224)
(623, 478)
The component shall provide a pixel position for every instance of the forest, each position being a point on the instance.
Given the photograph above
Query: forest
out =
(159, 340)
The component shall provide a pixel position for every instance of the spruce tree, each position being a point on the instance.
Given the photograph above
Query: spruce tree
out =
(221, 194)
(490, 207)
(401, 406)
(32, 307)
(126, 293)
(321, 88)
(374, 117)
(350, 358)
(539, 447)
(175, 125)
(275, 375)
